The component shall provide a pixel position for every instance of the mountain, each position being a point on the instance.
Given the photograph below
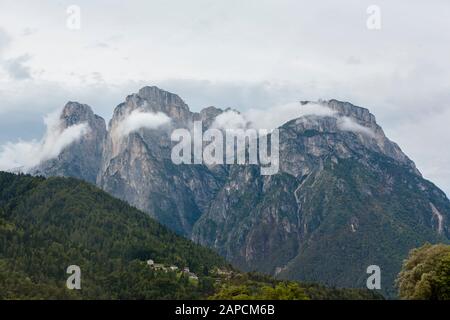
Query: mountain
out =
(83, 159)
(138, 167)
(343, 200)
(49, 224)
(345, 197)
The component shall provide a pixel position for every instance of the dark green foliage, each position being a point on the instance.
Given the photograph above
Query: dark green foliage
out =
(48, 224)
(255, 286)
(426, 274)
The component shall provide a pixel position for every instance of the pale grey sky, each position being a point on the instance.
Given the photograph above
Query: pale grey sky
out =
(240, 54)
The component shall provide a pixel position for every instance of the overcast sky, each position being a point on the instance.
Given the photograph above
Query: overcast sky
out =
(240, 54)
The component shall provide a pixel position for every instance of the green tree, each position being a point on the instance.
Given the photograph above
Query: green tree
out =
(426, 274)
(284, 291)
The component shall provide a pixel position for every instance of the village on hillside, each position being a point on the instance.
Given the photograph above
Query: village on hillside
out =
(173, 268)
(192, 276)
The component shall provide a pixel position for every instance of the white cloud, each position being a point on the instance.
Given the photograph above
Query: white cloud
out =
(138, 119)
(275, 117)
(230, 119)
(349, 124)
(28, 154)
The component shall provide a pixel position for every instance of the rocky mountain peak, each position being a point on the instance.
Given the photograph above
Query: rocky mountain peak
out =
(346, 109)
(350, 131)
(157, 96)
(208, 115)
(75, 113)
(82, 158)
(154, 99)
(210, 112)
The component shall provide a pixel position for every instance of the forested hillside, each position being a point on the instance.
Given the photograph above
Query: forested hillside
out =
(48, 224)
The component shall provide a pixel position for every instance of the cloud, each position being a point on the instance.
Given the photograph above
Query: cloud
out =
(275, 117)
(28, 31)
(138, 119)
(28, 154)
(4, 39)
(348, 124)
(16, 69)
(230, 119)
(235, 94)
(352, 60)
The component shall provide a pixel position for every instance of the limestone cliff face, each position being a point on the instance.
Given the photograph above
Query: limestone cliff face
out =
(352, 131)
(138, 167)
(346, 196)
(81, 159)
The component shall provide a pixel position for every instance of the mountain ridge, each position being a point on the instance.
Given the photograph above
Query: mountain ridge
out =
(268, 223)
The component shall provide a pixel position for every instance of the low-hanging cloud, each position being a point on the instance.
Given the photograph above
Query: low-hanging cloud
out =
(275, 117)
(269, 118)
(348, 124)
(230, 119)
(25, 155)
(138, 119)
